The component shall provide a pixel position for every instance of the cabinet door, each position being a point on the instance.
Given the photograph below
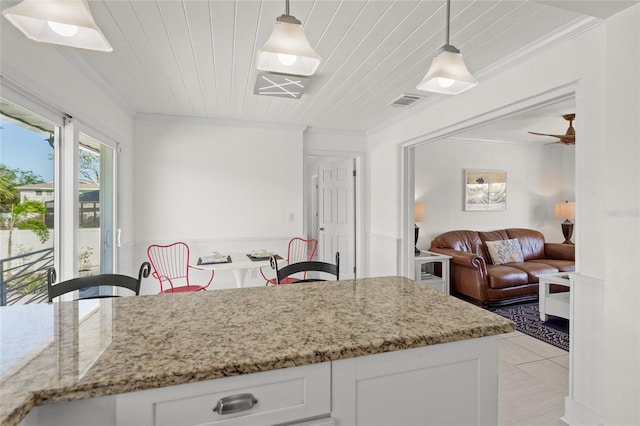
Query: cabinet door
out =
(283, 396)
(447, 384)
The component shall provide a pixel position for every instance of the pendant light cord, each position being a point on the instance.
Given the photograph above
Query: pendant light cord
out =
(448, 17)
(286, 12)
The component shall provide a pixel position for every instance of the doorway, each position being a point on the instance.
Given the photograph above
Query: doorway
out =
(412, 193)
(332, 209)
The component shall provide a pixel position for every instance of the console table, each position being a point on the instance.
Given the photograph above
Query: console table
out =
(556, 304)
(432, 269)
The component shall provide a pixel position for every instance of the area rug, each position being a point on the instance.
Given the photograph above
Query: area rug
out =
(555, 331)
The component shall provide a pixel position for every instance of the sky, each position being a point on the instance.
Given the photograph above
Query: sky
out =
(24, 149)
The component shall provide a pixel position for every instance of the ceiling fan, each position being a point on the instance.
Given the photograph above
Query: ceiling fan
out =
(569, 138)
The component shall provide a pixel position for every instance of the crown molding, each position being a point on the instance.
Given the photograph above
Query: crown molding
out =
(329, 131)
(183, 119)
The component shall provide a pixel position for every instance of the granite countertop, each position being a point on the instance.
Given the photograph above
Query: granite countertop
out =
(74, 350)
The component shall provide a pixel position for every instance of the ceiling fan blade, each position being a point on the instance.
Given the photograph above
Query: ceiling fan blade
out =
(568, 138)
(563, 141)
(547, 134)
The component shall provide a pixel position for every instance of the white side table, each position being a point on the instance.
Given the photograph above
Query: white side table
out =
(426, 273)
(556, 304)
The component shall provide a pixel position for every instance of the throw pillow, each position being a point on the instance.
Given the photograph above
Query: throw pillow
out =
(505, 251)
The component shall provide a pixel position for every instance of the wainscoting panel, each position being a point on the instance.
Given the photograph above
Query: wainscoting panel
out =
(585, 403)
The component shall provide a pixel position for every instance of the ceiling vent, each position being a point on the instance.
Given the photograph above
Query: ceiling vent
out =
(405, 100)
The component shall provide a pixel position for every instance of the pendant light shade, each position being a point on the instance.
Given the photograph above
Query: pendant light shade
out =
(287, 51)
(64, 22)
(448, 73)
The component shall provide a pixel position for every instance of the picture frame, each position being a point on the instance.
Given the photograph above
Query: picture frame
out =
(485, 190)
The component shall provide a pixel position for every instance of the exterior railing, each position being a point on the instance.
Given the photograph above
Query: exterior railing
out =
(24, 277)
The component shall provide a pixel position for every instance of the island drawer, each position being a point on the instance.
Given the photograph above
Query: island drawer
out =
(283, 396)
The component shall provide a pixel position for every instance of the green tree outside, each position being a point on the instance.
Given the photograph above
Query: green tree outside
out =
(26, 214)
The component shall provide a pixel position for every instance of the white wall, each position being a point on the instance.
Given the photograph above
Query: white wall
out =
(328, 140)
(200, 179)
(620, 169)
(537, 178)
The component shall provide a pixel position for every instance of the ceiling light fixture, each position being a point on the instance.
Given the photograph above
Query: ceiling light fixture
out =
(447, 74)
(287, 50)
(64, 22)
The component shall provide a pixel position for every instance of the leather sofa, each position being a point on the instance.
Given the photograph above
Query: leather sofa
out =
(475, 277)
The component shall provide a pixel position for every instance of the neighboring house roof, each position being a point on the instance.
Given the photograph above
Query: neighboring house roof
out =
(83, 186)
(42, 186)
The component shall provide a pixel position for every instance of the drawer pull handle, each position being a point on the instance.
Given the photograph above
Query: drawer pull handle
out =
(235, 403)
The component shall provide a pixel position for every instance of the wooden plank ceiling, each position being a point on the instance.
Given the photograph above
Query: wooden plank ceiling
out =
(197, 57)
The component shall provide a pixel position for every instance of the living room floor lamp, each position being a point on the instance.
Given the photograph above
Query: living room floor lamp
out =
(418, 216)
(566, 211)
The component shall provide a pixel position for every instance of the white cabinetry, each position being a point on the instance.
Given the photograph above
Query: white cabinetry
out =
(450, 383)
(453, 384)
(285, 395)
(432, 269)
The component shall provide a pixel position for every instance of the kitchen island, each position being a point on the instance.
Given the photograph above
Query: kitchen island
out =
(328, 340)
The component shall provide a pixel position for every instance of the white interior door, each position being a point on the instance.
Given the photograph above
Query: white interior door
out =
(336, 214)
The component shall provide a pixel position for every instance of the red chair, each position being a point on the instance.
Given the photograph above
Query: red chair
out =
(171, 268)
(299, 250)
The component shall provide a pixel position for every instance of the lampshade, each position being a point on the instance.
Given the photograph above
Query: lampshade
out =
(447, 74)
(566, 210)
(418, 212)
(287, 51)
(64, 22)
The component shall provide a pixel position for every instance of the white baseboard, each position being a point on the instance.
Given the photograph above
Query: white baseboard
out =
(576, 414)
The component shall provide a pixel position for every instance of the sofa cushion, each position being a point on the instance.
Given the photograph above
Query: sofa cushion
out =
(533, 269)
(503, 276)
(491, 236)
(504, 251)
(561, 265)
(531, 242)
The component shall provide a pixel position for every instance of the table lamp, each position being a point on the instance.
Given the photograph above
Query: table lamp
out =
(418, 215)
(567, 211)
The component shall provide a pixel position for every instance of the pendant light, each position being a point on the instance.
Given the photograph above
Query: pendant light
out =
(447, 74)
(287, 51)
(64, 22)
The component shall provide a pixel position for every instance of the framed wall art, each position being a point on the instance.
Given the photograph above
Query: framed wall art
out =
(485, 190)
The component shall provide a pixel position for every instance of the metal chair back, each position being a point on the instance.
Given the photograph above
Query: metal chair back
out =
(298, 250)
(306, 266)
(95, 281)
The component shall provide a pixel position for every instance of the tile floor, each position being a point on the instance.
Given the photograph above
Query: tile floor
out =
(533, 380)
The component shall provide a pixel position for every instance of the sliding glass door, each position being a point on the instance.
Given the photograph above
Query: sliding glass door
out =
(27, 196)
(57, 201)
(96, 219)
